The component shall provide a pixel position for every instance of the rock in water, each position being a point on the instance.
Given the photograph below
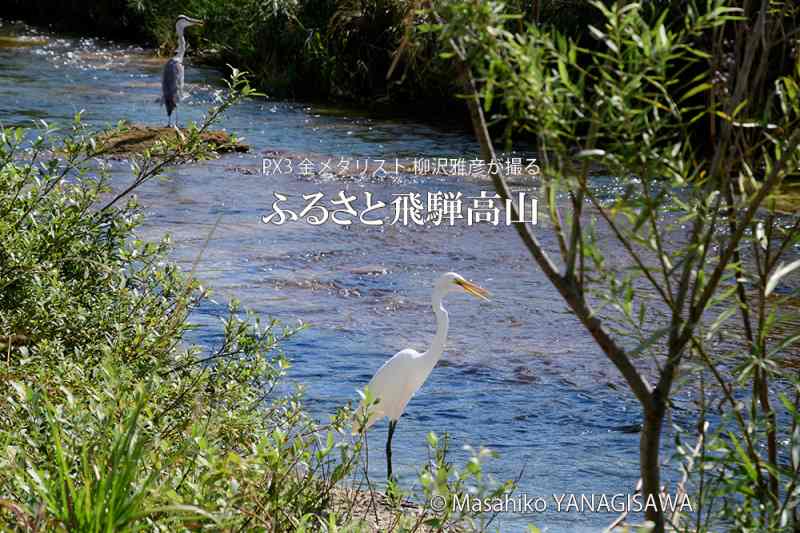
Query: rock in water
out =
(21, 41)
(135, 139)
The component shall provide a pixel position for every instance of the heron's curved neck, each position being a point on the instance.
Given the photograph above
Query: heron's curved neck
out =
(181, 43)
(442, 322)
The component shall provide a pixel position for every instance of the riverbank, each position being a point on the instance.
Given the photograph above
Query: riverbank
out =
(321, 51)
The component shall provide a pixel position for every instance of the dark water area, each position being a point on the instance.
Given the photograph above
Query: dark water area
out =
(520, 375)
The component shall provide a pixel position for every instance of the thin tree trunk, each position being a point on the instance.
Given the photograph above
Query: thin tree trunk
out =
(649, 445)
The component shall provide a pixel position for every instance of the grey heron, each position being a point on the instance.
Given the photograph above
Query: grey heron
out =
(172, 78)
(401, 376)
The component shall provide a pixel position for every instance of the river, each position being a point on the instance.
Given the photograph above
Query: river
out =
(520, 375)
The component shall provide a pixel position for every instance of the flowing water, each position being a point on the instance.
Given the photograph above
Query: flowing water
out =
(520, 375)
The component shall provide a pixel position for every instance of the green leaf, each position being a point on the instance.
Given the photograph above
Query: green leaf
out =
(785, 343)
(649, 341)
(779, 273)
(743, 457)
(696, 89)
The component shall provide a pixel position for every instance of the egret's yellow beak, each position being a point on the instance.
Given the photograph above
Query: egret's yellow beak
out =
(474, 290)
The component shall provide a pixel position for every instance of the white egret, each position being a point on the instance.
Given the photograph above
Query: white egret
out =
(400, 377)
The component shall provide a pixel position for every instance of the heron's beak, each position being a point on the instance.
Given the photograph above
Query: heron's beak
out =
(198, 22)
(474, 290)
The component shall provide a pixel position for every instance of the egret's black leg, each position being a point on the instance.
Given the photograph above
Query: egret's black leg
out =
(392, 425)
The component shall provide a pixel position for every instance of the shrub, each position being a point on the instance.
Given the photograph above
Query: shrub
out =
(111, 423)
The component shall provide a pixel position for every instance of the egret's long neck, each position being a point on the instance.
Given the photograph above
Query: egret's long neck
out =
(181, 43)
(442, 322)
